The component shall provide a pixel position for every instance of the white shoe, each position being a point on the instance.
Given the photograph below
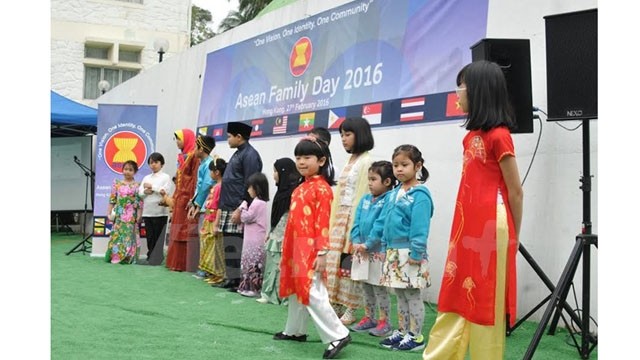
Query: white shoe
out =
(262, 300)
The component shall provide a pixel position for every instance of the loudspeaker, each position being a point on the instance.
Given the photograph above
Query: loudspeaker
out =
(514, 57)
(572, 65)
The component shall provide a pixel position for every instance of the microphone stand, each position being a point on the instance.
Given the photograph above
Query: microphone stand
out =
(82, 245)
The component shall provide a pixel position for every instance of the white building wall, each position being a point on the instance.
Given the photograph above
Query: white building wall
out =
(553, 201)
(75, 21)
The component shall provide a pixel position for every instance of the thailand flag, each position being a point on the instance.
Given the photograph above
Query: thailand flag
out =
(373, 113)
(257, 127)
(412, 109)
(336, 117)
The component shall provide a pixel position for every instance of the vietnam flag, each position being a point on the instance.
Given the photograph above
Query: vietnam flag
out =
(453, 107)
(306, 121)
(257, 127)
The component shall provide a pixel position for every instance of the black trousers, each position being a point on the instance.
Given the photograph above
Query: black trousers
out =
(155, 226)
(232, 254)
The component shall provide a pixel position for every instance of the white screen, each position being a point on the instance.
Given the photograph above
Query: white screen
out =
(68, 180)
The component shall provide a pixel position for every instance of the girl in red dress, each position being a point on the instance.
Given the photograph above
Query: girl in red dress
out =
(478, 291)
(304, 250)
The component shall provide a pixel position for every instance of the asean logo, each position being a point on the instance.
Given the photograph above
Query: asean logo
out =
(300, 57)
(123, 146)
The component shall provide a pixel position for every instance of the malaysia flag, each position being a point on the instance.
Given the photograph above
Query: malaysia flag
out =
(217, 132)
(336, 117)
(257, 127)
(373, 113)
(280, 126)
(412, 109)
(453, 107)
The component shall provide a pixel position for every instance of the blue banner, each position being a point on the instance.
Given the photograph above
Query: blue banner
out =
(125, 132)
(389, 61)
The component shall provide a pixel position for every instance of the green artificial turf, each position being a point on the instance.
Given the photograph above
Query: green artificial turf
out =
(107, 311)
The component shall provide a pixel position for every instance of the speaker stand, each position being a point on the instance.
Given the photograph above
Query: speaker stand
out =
(581, 249)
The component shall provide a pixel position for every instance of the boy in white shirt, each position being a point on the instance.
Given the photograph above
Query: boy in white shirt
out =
(155, 215)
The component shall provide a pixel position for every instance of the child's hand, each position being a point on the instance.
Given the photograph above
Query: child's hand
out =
(163, 192)
(360, 249)
(320, 264)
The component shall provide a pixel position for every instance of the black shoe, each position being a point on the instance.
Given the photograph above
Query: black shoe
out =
(282, 336)
(232, 289)
(230, 284)
(335, 347)
(143, 262)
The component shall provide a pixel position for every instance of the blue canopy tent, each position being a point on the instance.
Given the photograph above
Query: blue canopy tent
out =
(70, 118)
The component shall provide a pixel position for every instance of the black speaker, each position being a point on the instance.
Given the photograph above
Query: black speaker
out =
(572, 65)
(514, 57)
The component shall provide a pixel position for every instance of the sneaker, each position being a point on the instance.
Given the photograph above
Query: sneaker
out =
(383, 329)
(365, 324)
(392, 340)
(410, 343)
(262, 300)
(348, 317)
(199, 274)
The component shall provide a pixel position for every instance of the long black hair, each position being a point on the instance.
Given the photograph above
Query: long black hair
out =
(310, 146)
(362, 130)
(288, 179)
(258, 181)
(487, 96)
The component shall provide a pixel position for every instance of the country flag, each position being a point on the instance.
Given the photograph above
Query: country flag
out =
(218, 132)
(306, 121)
(280, 126)
(257, 127)
(453, 107)
(373, 113)
(202, 131)
(412, 109)
(336, 117)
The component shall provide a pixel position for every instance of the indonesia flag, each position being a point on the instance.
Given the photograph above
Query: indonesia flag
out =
(412, 109)
(336, 117)
(257, 127)
(453, 106)
(373, 113)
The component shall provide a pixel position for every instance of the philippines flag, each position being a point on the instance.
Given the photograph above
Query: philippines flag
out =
(336, 117)
(217, 132)
(373, 113)
(280, 126)
(453, 107)
(257, 127)
(412, 109)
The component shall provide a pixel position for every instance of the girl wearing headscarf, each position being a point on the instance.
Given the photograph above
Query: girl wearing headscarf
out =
(184, 231)
(286, 177)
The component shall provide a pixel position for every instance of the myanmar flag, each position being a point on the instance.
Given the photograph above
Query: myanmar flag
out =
(306, 121)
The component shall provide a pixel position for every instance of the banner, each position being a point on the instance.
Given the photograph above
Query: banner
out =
(125, 132)
(392, 62)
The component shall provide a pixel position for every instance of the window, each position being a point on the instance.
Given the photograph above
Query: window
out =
(111, 61)
(93, 75)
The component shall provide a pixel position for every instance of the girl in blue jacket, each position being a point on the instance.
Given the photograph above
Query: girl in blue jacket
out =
(369, 256)
(406, 218)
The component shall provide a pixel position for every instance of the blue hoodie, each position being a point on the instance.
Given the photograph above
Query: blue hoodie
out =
(367, 212)
(405, 221)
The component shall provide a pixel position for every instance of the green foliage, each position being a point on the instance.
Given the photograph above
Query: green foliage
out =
(199, 30)
(247, 11)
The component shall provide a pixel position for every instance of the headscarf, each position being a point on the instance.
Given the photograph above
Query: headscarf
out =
(188, 137)
(288, 179)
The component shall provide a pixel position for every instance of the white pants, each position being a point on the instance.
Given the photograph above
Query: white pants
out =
(329, 326)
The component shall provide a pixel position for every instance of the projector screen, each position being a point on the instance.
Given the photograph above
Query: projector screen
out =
(68, 180)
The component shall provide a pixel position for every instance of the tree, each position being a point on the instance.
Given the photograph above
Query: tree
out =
(247, 11)
(199, 30)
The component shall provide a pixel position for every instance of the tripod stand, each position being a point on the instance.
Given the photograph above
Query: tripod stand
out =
(84, 245)
(584, 240)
